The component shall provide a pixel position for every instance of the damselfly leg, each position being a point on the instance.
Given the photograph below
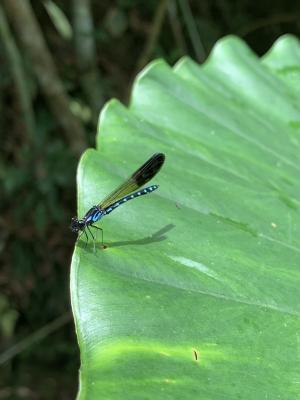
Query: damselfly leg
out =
(100, 229)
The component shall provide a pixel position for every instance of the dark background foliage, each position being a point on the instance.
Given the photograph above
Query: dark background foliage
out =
(39, 355)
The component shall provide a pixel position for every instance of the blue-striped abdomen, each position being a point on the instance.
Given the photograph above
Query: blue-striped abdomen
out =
(139, 193)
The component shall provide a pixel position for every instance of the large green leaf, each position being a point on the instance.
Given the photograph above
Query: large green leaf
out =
(208, 266)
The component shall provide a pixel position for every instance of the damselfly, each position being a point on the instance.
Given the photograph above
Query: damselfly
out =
(120, 195)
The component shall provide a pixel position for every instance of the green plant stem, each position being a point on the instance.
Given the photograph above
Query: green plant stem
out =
(37, 336)
(85, 46)
(19, 76)
(154, 34)
(192, 29)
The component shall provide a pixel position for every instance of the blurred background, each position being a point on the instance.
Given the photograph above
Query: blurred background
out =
(60, 61)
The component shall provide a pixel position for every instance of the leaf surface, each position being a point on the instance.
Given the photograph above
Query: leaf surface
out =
(196, 295)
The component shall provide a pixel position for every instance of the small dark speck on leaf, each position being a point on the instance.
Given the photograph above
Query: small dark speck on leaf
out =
(195, 355)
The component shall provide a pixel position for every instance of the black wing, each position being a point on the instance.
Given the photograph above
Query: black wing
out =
(136, 180)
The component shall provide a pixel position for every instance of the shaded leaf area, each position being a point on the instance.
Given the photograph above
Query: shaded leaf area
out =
(196, 294)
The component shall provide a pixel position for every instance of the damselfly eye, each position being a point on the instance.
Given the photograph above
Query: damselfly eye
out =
(74, 225)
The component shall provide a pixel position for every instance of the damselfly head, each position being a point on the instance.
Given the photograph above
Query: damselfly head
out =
(76, 225)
